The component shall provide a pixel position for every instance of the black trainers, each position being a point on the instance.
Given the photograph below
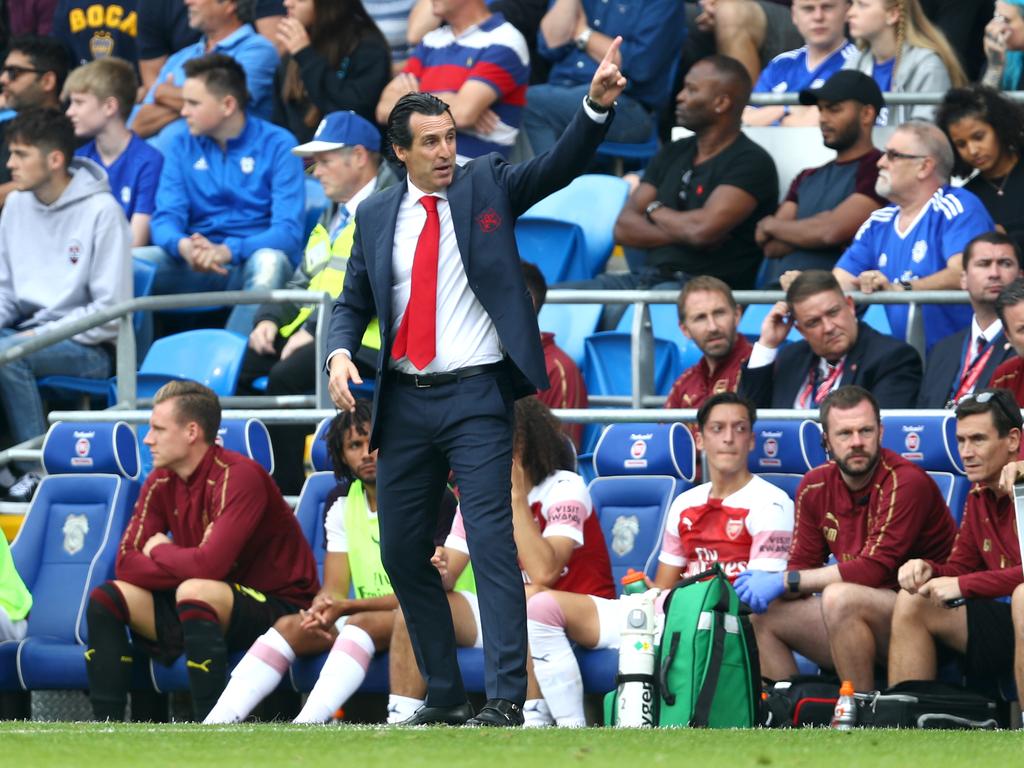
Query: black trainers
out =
(24, 489)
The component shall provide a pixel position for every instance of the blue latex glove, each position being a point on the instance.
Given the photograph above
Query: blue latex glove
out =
(759, 588)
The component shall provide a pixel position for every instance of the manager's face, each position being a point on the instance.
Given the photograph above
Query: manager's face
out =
(430, 160)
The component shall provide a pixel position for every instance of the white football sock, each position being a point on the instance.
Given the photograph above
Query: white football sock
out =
(343, 673)
(256, 675)
(537, 714)
(401, 708)
(557, 672)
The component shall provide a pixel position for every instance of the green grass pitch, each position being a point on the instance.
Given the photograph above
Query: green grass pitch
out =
(84, 745)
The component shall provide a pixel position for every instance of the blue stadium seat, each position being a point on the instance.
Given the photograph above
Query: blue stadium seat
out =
(785, 450)
(607, 364)
(665, 325)
(67, 546)
(930, 442)
(640, 468)
(875, 316)
(569, 234)
(211, 356)
(248, 437)
(642, 151)
(571, 324)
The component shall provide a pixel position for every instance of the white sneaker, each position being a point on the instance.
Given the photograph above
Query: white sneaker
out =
(25, 488)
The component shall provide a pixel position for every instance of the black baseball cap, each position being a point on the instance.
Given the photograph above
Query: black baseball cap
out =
(845, 84)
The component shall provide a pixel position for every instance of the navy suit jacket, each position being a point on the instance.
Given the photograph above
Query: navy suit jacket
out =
(486, 197)
(944, 361)
(888, 368)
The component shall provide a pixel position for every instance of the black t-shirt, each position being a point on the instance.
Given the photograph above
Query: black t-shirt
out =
(1006, 209)
(164, 29)
(92, 30)
(686, 187)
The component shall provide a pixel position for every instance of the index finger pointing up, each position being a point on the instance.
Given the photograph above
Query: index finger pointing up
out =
(612, 50)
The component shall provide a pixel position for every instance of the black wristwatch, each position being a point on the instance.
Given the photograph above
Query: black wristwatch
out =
(793, 582)
(599, 108)
(651, 208)
(905, 284)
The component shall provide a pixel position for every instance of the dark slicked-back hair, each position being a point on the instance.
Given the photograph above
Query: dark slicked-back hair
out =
(46, 54)
(45, 128)
(539, 442)
(844, 399)
(999, 402)
(809, 283)
(992, 238)
(725, 398)
(398, 131)
(989, 106)
(222, 75)
(535, 284)
(1010, 296)
(337, 433)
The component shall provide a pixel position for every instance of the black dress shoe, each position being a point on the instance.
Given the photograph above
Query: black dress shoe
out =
(455, 715)
(500, 713)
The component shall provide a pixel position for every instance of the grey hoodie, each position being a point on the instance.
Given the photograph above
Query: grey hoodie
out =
(67, 260)
(920, 71)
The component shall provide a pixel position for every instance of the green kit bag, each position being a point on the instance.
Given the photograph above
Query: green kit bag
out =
(707, 667)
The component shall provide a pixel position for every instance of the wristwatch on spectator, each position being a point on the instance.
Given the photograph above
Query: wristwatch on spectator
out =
(793, 582)
(905, 284)
(583, 38)
(651, 208)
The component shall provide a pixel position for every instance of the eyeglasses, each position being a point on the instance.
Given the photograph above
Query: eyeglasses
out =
(892, 154)
(993, 394)
(13, 71)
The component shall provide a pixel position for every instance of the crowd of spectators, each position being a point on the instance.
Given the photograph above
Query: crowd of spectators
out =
(179, 133)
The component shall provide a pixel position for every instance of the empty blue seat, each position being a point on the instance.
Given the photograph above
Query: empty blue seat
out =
(930, 442)
(211, 356)
(640, 469)
(248, 437)
(569, 234)
(785, 450)
(68, 545)
(665, 325)
(571, 324)
(607, 364)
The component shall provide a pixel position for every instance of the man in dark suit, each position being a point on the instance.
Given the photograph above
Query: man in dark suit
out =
(837, 350)
(966, 360)
(435, 260)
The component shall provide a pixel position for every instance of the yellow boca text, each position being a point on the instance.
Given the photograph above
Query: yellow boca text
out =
(108, 16)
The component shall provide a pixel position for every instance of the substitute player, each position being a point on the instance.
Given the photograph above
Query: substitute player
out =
(235, 560)
(737, 520)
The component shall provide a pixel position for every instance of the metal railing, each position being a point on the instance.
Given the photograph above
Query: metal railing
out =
(641, 405)
(891, 99)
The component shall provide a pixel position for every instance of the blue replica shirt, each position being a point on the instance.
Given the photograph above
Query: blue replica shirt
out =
(652, 32)
(941, 230)
(254, 52)
(133, 176)
(788, 72)
(248, 197)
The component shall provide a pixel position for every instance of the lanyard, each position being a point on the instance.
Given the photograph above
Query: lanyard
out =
(824, 388)
(969, 373)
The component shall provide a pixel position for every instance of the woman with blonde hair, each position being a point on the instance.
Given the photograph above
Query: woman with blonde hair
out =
(904, 53)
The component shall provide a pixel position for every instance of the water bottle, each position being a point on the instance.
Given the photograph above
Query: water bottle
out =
(845, 716)
(635, 700)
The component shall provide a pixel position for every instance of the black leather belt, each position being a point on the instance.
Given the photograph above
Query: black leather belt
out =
(424, 380)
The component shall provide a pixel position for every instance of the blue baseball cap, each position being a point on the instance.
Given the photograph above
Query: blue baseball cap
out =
(341, 129)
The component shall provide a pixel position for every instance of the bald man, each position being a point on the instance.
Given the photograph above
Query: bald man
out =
(695, 211)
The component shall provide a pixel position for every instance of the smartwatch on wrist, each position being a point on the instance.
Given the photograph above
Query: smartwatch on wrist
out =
(583, 38)
(651, 208)
(793, 582)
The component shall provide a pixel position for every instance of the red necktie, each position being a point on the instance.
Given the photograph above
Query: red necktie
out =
(416, 338)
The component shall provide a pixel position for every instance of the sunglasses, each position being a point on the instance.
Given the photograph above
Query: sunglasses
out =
(983, 397)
